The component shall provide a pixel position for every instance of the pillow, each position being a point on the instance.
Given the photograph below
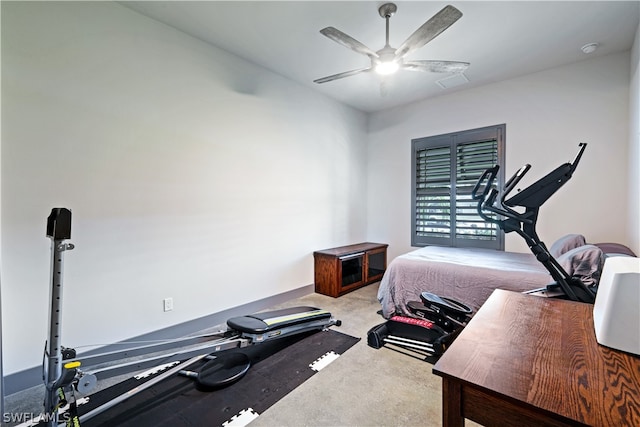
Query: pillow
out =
(566, 243)
(615, 249)
(584, 262)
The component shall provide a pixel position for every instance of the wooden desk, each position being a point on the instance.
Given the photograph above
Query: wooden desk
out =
(531, 361)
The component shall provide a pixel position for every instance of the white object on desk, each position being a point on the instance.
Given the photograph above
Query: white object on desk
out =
(616, 311)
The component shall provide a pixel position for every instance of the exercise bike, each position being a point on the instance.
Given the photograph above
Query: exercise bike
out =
(216, 364)
(438, 320)
(524, 223)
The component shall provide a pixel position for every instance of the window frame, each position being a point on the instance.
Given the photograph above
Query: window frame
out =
(453, 140)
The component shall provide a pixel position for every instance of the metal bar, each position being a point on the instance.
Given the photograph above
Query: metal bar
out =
(97, 359)
(411, 341)
(140, 388)
(58, 229)
(403, 342)
(351, 256)
(150, 362)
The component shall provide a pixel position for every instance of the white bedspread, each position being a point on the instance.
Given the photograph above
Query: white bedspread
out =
(468, 275)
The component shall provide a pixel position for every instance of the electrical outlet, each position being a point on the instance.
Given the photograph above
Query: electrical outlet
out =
(168, 304)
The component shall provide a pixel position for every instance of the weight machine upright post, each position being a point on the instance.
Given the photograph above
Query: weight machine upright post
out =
(58, 229)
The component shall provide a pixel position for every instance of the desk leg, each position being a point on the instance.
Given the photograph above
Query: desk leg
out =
(451, 403)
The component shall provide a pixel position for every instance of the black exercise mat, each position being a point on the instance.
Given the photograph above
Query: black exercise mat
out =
(277, 368)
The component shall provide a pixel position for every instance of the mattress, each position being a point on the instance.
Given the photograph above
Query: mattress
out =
(468, 275)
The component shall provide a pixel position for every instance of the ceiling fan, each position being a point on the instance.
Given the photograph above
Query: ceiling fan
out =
(388, 60)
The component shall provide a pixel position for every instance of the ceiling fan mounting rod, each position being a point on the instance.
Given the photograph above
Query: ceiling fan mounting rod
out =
(386, 11)
(387, 37)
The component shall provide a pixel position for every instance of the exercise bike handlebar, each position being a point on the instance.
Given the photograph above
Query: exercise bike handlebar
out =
(487, 196)
(489, 176)
(514, 180)
(489, 193)
(531, 197)
(574, 165)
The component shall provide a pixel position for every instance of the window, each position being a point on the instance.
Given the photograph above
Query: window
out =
(445, 168)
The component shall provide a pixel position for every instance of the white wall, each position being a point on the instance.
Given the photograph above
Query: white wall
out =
(634, 147)
(1, 364)
(190, 173)
(546, 114)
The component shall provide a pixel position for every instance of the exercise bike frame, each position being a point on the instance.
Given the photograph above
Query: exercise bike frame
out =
(524, 224)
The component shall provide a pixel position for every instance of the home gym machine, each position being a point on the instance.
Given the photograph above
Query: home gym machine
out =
(438, 320)
(64, 373)
(531, 199)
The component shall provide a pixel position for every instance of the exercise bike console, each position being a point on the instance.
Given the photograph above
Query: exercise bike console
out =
(539, 192)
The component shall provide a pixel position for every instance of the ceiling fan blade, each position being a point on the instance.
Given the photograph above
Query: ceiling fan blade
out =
(348, 41)
(342, 75)
(429, 30)
(436, 66)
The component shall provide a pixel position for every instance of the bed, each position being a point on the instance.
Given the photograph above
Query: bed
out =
(470, 275)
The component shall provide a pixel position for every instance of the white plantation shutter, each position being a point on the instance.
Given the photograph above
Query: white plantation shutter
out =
(445, 170)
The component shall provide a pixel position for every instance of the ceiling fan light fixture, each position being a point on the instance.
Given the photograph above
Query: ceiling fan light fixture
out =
(386, 68)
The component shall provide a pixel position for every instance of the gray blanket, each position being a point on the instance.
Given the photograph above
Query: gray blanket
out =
(465, 274)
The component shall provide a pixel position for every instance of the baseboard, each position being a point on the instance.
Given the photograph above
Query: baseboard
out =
(31, 377)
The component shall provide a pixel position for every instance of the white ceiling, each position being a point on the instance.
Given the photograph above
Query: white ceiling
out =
(500, 39)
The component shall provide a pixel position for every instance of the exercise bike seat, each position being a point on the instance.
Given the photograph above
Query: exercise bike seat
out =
(260, 323)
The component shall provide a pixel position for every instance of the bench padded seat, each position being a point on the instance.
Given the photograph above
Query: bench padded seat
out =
(259, 323)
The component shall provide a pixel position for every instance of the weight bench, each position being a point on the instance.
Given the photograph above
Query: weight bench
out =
(260, 327)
